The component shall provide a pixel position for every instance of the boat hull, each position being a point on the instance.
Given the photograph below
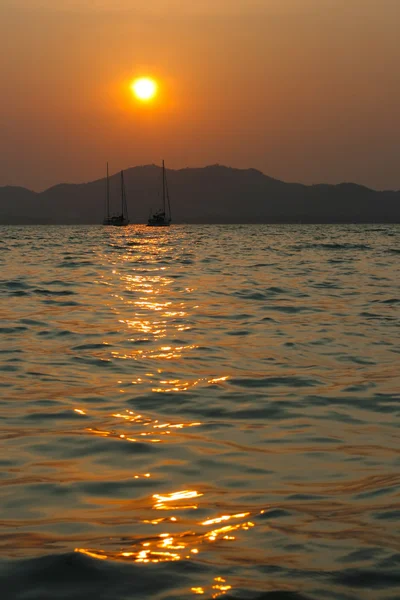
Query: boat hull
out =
(116, 222)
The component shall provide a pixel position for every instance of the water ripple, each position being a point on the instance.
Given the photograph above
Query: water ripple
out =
(205, 411)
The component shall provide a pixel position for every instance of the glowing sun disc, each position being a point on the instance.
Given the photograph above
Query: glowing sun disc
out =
(144, 88)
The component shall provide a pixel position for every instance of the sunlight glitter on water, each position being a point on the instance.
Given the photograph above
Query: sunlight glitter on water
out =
(208, 411)
(167, 547)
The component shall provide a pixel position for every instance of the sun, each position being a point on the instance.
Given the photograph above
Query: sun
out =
(144, 88)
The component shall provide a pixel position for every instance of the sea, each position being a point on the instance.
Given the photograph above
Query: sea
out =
(200, 410)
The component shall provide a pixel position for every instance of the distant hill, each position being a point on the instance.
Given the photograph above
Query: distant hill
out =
(214, 194)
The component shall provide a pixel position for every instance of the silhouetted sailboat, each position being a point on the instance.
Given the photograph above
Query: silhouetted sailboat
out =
(160, 218)
(122, 219)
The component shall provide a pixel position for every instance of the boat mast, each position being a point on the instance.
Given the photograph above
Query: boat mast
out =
(108, 195)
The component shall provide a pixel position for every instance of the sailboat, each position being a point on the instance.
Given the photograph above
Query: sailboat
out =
(116, 220)
(160, 218)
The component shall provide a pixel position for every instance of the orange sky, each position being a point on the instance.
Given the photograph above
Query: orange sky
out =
(304, 90)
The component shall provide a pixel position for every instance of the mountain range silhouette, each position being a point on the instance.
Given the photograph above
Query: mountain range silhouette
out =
(213, 194)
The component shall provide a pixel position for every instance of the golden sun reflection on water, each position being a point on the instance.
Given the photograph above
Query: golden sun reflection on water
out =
(162, 502)
(225, 518)
(142, 429)
(149, 316)
(163, 352)
(153, 324)
(186, 545)
(218, 588)
(152, 315)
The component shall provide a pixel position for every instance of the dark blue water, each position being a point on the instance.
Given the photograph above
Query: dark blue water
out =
(205, 410)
